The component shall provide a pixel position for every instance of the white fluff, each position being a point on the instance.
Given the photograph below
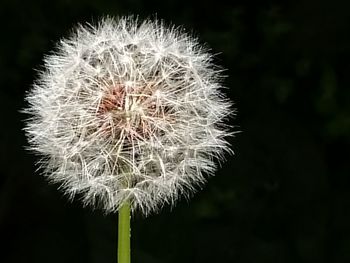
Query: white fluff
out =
(128, 111)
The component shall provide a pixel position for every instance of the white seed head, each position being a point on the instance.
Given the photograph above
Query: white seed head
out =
(128, 111)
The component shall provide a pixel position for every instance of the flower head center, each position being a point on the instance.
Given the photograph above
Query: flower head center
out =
(128, 109)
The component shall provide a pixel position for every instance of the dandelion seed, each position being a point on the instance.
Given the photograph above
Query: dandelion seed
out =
(128, 112)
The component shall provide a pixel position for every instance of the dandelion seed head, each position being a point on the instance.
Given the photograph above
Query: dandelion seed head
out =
(128, 111)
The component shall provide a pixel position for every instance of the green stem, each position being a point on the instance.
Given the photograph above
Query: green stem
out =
(124, 234)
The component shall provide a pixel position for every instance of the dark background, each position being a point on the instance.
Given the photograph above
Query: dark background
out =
(284, 196)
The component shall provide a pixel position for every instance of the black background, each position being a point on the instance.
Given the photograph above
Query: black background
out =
(284, 196)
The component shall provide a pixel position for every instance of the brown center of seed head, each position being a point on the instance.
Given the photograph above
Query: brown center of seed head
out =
(130, 111)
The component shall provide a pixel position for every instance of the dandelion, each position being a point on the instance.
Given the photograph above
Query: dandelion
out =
(128, 111)
(129, 115)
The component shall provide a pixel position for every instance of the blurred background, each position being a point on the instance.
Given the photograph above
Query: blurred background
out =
(283, 197)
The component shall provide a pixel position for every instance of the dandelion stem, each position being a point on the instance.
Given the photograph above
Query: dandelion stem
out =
(124, 234)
